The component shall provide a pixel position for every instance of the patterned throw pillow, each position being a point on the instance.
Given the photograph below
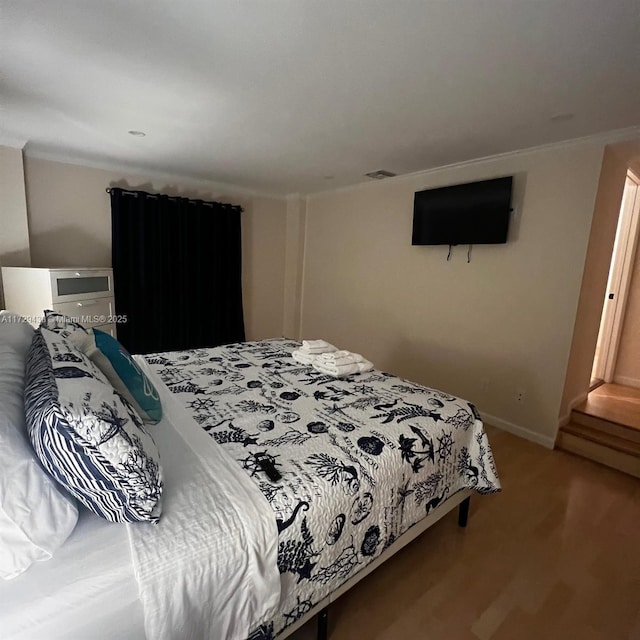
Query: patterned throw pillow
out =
(121, 370)
(60, 323)
(86, 436)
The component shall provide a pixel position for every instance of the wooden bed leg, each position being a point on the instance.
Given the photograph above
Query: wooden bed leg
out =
(463, 512)
(323, 622)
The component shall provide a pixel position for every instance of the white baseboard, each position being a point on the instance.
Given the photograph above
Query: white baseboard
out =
(627, 382)
(564, 420)
(517, 430)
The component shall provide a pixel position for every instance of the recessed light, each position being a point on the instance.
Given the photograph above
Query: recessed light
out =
(137, 134)
(562, 117)
(381, 174)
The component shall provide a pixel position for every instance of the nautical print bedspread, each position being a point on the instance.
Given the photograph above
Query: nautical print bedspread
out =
(362, 458)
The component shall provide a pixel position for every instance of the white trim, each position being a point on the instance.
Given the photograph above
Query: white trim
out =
(627, 381)
(564, 420)
(115, 166)
(605, 137)
(33, 151)
(619, 278)
(517, 430)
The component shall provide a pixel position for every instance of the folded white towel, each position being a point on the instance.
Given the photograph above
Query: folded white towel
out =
(339, 353)
(317, 346)
(343, 370)
(303, 357)
(340, 358)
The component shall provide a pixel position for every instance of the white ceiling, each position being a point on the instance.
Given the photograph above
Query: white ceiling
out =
(276, 95)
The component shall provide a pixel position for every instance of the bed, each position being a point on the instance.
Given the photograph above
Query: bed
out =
(367, 462)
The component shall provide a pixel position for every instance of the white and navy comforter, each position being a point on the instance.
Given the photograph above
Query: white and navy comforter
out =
(362, 458)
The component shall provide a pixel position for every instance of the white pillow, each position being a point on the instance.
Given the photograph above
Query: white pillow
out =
(35, 517)
(16, 332)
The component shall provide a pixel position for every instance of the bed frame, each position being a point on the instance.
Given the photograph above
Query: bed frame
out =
(461, 500)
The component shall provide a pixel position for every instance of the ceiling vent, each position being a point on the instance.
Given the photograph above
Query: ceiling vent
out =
(381, 174)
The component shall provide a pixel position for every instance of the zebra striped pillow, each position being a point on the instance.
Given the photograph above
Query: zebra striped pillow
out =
(86, 436)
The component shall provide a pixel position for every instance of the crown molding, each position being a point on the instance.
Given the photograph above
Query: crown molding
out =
(127, 169)
(34, 151)
(605, 137)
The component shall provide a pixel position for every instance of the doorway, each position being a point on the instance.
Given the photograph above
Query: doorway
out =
(615, 301)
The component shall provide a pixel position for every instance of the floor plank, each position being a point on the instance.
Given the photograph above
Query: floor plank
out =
(556, 555)
(614, 402)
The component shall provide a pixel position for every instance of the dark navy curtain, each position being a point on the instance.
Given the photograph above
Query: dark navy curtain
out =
(177, 266)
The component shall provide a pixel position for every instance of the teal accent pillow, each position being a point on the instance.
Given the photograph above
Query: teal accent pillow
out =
(123, 373)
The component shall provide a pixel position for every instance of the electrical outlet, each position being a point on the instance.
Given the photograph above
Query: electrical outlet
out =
(520, 395)
(484, 384)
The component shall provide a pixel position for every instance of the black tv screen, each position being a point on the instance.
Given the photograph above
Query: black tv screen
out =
(474, 213)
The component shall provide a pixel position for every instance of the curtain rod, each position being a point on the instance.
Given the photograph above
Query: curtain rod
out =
(155, 196)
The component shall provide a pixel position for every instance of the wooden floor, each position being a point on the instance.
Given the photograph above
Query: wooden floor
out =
(556, 555)
(614, 402)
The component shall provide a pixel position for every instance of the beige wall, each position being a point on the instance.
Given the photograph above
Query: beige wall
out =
(594, 281)
(340, 265)
(70, 225)
(264, 233)
(507, 317)
(14, 232)
(296, 212)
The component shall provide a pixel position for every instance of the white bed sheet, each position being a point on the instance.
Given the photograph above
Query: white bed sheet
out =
(87, 590)
(209, 568)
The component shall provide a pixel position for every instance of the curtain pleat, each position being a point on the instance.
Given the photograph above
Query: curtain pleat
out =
(177, 266)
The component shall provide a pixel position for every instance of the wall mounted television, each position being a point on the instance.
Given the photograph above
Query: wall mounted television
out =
(473, 213)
